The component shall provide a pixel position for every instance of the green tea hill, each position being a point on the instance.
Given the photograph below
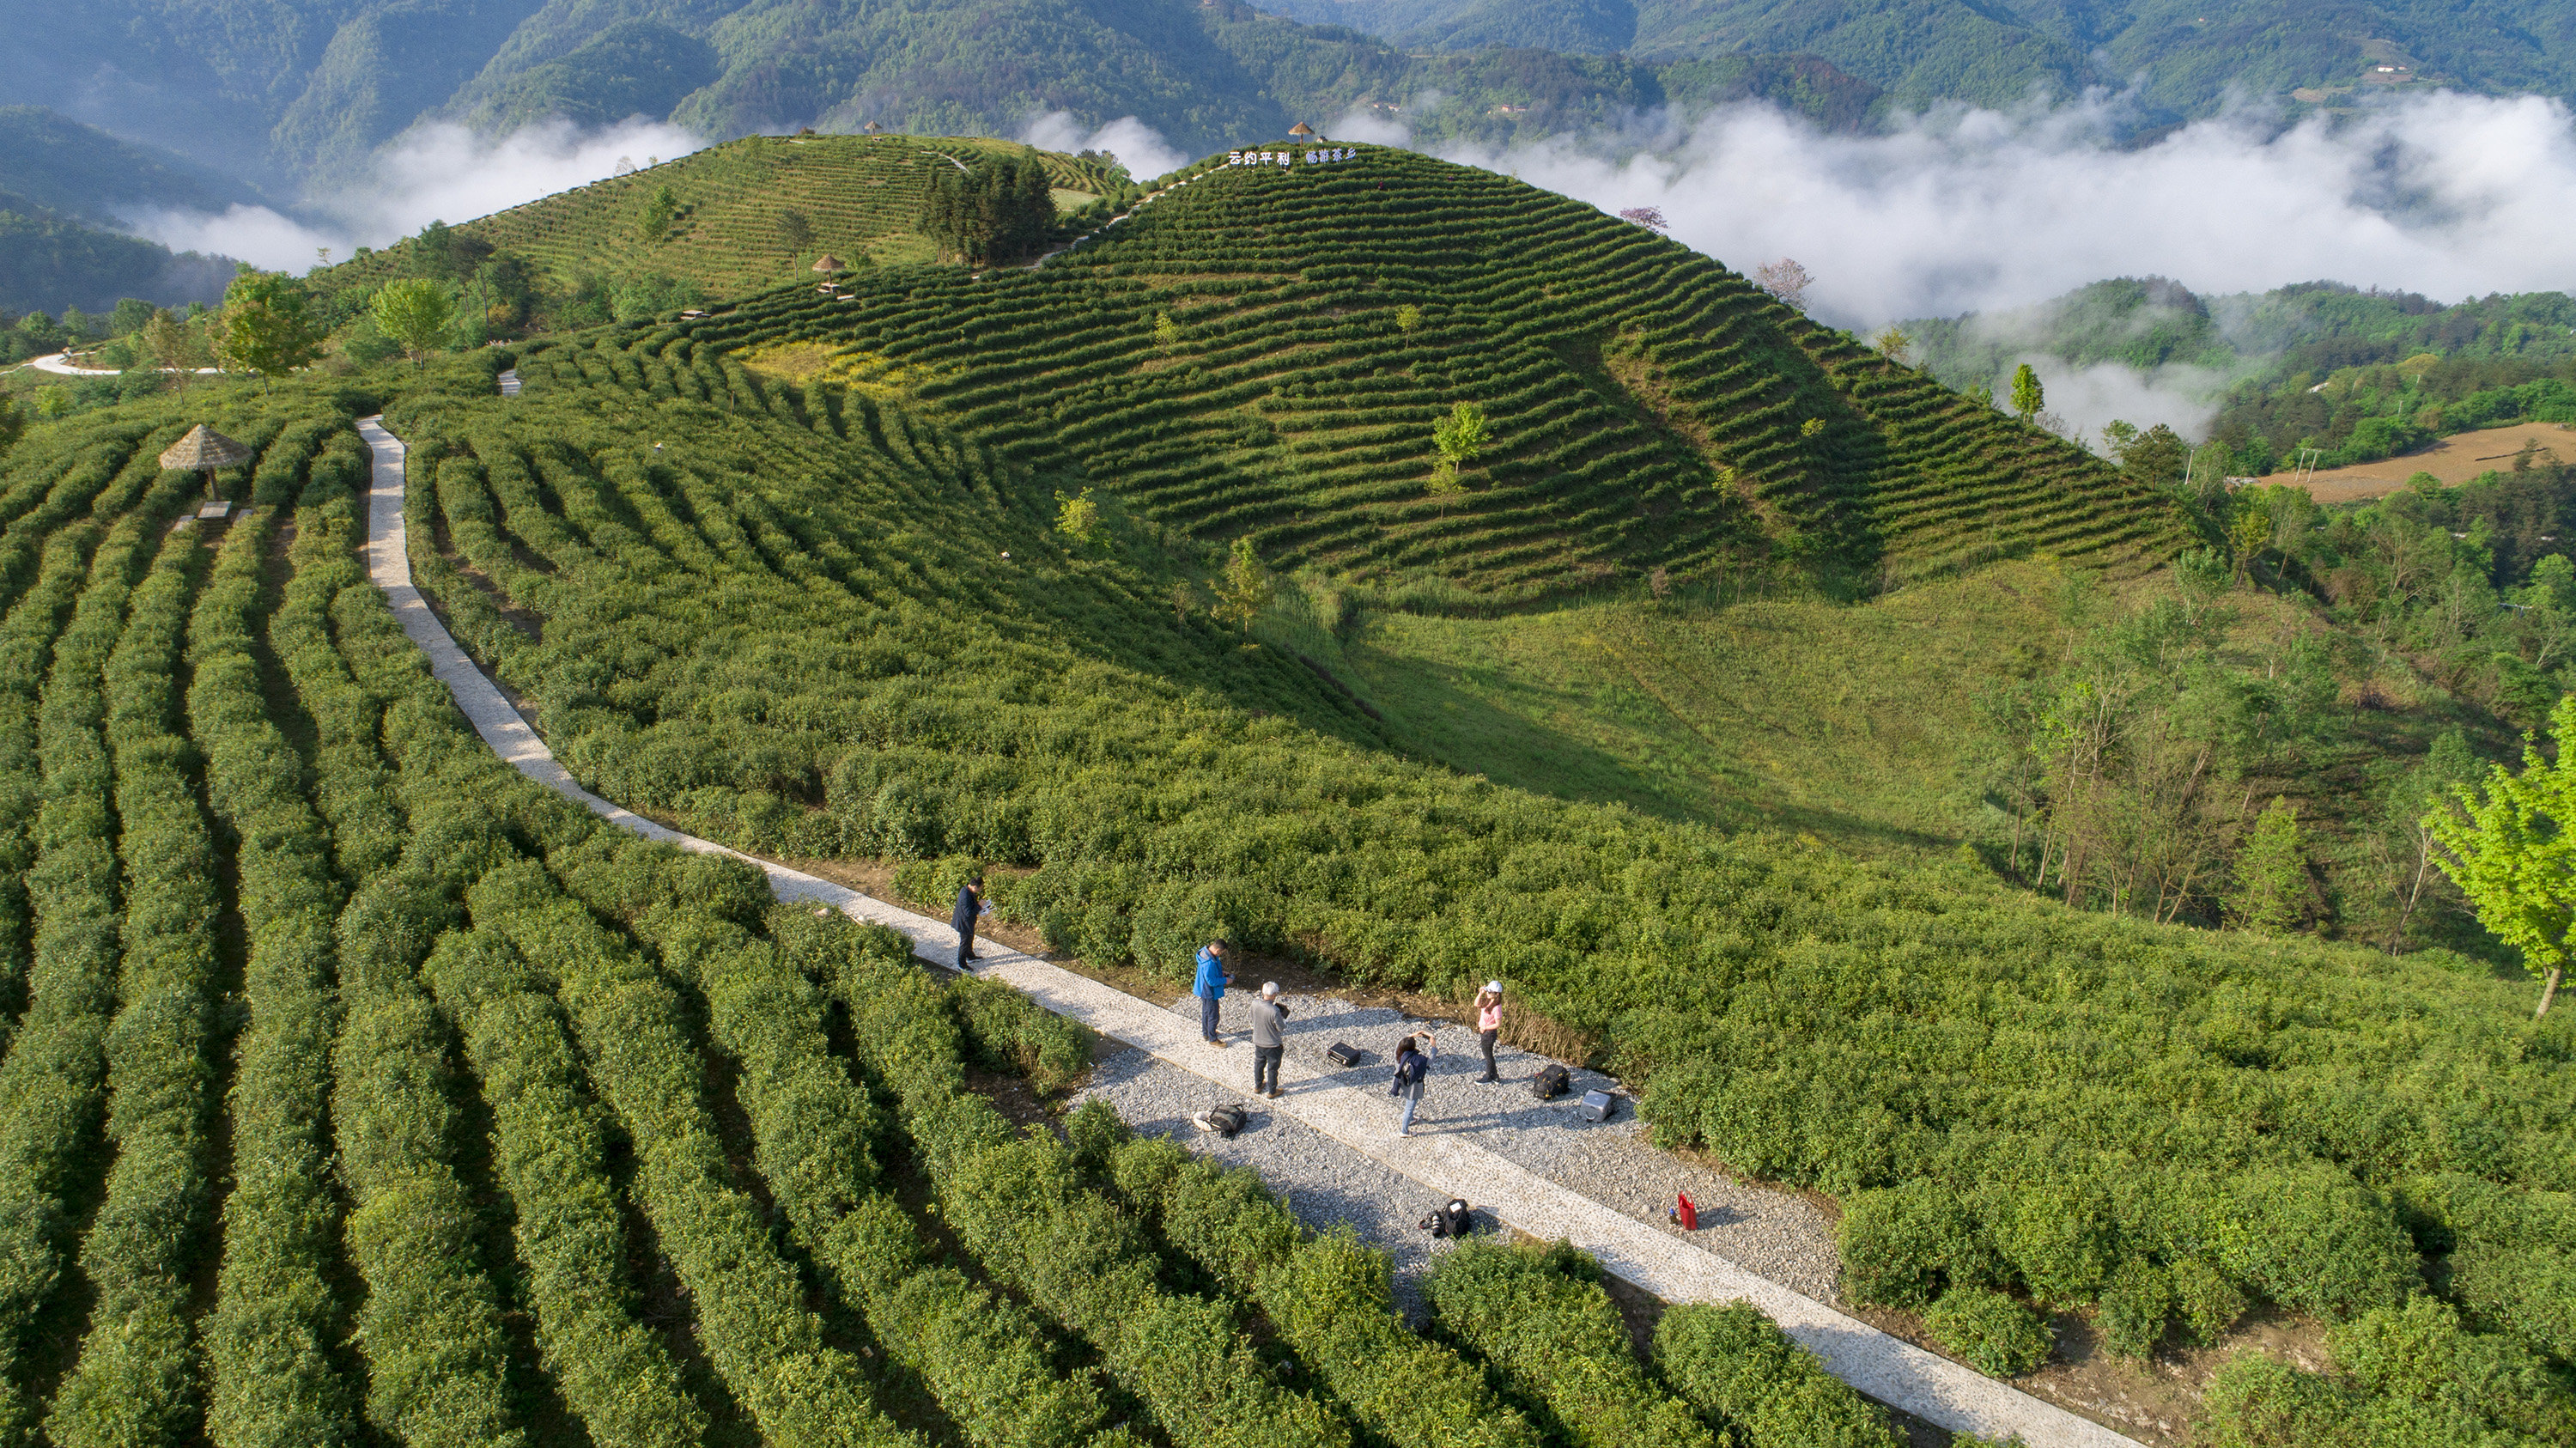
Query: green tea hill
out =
(745, 215)
(1262, 352)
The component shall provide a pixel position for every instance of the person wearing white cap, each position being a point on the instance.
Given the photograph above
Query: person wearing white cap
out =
(1268, 1015)
(1489, 1023)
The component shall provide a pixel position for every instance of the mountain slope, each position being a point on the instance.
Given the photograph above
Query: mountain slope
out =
(1651, 409)
(751, 213)
(2183, 59)
(49, 262)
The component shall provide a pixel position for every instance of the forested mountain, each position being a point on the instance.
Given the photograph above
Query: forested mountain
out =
(2304, 366)
(63, 189)
(2184, 58)
(327, 80)
(284, 91)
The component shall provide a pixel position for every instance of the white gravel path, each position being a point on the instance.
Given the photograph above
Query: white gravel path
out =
(1781, 1235)
(1335, 1110)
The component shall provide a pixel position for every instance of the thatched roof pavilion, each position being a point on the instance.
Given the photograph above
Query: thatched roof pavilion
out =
(827, 263)
(203, 450)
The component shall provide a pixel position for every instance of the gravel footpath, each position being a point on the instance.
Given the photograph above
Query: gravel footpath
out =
(1771, 1234)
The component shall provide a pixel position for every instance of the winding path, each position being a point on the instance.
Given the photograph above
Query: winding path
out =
(1885, 1367)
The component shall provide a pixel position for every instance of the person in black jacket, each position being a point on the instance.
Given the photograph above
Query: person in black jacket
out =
(970, 903)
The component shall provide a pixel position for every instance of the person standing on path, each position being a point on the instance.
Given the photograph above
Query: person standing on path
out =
(1412, 1064)
(1269, 1017)
(970, 903)
(1210, 989)
(1489, 1023)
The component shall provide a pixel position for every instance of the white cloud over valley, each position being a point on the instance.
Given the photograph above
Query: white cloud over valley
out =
(437, 172)
(1966, 209)
(1139, 147)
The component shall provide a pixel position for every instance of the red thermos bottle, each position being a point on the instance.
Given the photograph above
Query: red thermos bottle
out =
(1687, 1214)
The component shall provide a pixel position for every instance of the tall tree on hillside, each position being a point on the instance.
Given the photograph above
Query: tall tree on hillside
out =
(13, 425)
(2027, 398)
(1786, 281)
(2404, 848)
(418, 313)
(172, 346)
(264, 327)
(2272, 873)
(1244, 590)
(997, 212)
(2511, 848)
(660, 210)
(1460, 436)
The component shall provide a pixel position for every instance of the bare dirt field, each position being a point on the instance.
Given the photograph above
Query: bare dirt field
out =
(2455, 459)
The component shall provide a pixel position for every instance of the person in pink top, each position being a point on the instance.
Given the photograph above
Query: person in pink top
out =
(1489, 1023)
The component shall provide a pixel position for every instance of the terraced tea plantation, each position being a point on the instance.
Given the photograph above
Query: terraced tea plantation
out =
(1263, 353)
(752, 213)
(357, 1089)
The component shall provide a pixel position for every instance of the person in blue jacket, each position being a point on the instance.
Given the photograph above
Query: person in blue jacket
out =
(1210, 989)
(970, 903)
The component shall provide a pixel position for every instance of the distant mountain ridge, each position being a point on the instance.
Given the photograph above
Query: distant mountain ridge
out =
(2183, 60)
(289, 92)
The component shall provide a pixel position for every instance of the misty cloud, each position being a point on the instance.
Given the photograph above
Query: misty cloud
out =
(430, 173)
(1965, 209)
(1139, 147)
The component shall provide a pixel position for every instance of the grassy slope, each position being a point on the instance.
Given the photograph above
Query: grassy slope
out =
(861, 195)
(1750, 715)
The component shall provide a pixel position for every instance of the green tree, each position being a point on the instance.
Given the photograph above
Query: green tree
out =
(171, 344)
(1167, 333)
(1077, 518)
(2511, 848)
(54, 400)
(794, 231)
(2272, 873)
(265, 327)
(1408, 319)
(2027, 398)
(2156, 456)
(2250, 535)
(1244, 589)
(416, 312)
(1895, 344)
(1461, 435)
(2406, 850)
(13, 425)
(995, 212)
(660, 210)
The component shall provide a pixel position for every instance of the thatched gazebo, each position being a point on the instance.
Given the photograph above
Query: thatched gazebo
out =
(204, 450)
(1302, 131)
(827, 264)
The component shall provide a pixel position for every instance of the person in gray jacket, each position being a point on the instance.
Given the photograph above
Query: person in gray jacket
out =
(1269, 1018)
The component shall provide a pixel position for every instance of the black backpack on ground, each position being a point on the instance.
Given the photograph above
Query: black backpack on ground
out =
(1455, 1219)
(1549, 1083)
(1225, 1121)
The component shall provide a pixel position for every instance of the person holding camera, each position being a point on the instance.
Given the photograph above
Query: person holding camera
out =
(1412, 1066)
(1489, 1023)
(1269, 1043)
